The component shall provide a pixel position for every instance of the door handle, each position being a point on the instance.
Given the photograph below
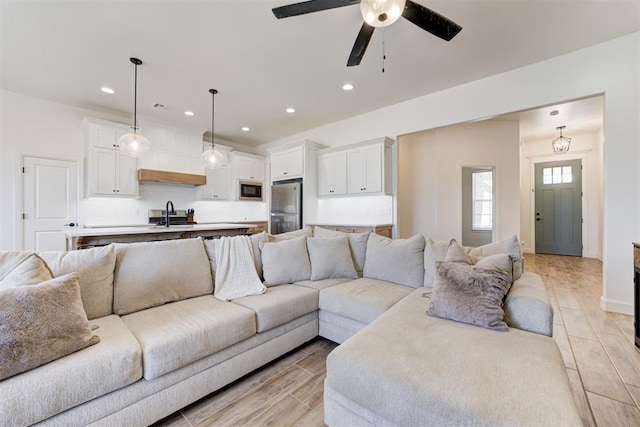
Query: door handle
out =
(538, 219)
(71, 224)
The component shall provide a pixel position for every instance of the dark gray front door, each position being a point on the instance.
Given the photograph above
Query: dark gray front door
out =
(558, 207)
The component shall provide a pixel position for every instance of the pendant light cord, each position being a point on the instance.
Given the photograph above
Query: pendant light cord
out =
(213, 104)
(135, 98)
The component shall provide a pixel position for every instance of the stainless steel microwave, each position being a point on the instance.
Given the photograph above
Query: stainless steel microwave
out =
(250, 190)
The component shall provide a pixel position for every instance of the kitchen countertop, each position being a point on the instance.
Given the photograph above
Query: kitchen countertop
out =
(151, 229)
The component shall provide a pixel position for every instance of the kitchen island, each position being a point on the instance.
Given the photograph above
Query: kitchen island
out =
(81, 238)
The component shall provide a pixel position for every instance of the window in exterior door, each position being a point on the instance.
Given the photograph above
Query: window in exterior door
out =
(557, 175)
(482, 182)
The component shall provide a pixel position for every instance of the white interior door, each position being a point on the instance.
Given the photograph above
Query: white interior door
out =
(50, 202)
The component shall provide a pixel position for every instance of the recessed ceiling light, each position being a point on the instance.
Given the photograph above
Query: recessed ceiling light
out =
(347, 86)
(554, 113)
(189, 113)
(107, 90)
(245, 128)
(291, 110)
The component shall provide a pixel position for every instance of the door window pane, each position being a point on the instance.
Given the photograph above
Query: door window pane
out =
(557, 175)
(482, 183)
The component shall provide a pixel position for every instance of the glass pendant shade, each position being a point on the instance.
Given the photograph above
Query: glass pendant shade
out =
(381, 13)
(133, 144)
(562, 143)
(212, 158)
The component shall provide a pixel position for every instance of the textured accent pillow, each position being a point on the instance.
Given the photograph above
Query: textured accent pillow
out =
(398, 261)
(307, 232)
(42, 323)
(95, 267)
(470, 294)
(330, 258)
(456, 253)
(286, 261)
(149, 274)
(357, 244)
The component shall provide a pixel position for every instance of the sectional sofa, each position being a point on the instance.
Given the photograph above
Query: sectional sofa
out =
(165, 341)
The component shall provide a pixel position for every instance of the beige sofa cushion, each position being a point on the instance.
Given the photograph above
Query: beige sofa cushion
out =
(399, 261)
(527, 305)
(357, 244)
(410, 369)
(41, 323)
(95, 267)
(279, 305)
(321, 284)
(173, 335)
(362, 299)
(154, 273)
(306, 232)
(22, 268)
(113, 363)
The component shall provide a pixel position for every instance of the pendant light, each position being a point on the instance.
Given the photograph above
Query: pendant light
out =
(212, 158)
(132, 143)
(561, 144)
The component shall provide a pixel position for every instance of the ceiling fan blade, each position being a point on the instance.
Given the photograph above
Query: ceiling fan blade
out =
(310, 6)
(360, 46)
(431, 21)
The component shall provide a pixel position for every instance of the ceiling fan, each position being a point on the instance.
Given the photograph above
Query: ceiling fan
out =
(377, 13)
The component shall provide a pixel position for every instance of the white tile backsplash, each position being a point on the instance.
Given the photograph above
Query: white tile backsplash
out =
(364, 210)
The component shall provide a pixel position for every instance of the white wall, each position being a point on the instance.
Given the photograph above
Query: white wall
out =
(41, 128)
(430, 177)
(587, 147)
(610, 68)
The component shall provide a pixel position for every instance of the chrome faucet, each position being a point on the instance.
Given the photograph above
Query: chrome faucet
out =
(167, 212)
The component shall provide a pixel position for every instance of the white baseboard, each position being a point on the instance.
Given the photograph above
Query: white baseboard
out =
(616, 306)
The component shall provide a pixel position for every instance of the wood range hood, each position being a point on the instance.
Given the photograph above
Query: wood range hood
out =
(171, 177)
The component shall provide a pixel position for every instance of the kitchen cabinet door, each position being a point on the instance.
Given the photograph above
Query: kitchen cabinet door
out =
(332, 174)
(105, 136)
(249, 169)
(217, 187)
(111, 173)
(365, 170)
(287, 164)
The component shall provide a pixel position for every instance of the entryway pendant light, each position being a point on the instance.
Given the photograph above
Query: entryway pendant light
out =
(132, 143)
(561, 144)
(381, 13)
(212, 158)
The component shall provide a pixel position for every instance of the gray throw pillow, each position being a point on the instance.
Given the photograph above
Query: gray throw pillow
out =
(470, 294)
(307, 232)
(456, 253)
(357, 244)
(41, 323)
(330, 258)
(286, 261)
(398, 261)
(510, 246)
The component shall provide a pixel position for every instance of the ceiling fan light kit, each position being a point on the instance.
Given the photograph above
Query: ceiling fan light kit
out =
(133, 143)
(377, 14)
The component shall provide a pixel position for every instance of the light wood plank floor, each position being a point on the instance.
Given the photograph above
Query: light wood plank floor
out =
(602, 363)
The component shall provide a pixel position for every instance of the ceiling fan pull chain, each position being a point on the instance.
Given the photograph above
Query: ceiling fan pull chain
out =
(384, 55)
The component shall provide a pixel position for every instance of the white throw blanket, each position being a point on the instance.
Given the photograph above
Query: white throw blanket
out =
(236, 274)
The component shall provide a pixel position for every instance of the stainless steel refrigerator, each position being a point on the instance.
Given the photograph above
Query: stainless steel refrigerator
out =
(286, 206)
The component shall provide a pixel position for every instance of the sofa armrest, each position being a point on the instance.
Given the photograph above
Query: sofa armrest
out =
(527, 305)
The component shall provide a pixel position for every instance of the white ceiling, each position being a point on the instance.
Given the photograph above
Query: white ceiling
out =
(66, 50)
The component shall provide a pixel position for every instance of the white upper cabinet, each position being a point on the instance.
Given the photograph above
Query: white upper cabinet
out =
(109, 172)
(356, 169)
(332, 174)
(365, 170)
(217, 187)
(248, 168)
(287, 164)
